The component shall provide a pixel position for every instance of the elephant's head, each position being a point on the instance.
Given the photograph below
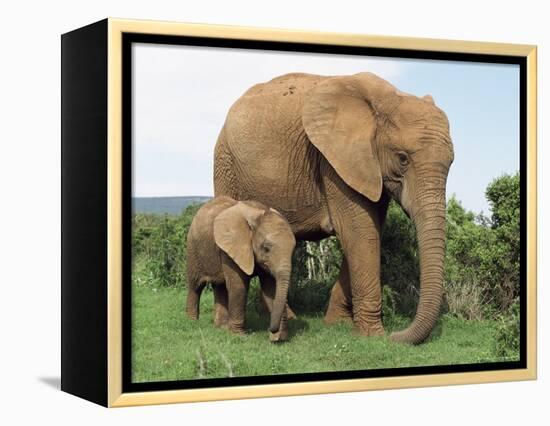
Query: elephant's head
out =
(379, 139)
(253, 235)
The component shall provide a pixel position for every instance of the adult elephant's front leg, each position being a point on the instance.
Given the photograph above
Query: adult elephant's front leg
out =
(357, 224)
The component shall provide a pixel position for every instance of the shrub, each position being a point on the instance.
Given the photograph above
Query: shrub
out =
(507, 333)
(504, 196)
(390, 314)
(168, 257)
(160, 243)
(254, 296)
(315, 268)
(465, 299)
(467, 263)
(482, 257)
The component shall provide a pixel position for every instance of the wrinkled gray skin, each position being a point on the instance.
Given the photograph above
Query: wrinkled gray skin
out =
(228, 243)
(329, 153)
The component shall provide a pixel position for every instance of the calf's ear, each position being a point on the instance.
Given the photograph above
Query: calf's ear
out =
(233, 234)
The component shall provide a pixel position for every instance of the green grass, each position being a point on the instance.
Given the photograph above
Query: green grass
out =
(166, 345)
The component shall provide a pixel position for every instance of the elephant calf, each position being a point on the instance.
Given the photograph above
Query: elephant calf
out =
(229, 242)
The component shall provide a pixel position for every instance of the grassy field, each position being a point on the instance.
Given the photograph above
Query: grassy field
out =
(482, 305)
(169, 346)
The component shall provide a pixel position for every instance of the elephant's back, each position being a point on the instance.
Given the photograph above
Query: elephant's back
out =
(280, 98)
(283, 86)
(252, 117)
(202, 225)
(264, 131)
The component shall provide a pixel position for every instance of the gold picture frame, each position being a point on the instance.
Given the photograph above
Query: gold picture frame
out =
(110, 33)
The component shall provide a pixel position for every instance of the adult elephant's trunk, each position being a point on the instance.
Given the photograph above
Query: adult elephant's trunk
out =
(430, 229)
(279, 303)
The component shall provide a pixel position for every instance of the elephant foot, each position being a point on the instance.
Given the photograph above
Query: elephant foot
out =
(331, 320)
(280, 336)
(221, 319)
(339, 306)
(222, 325)
(336, 315)
(236, 329)
(369, 330)
(290, 313)
(191, 312)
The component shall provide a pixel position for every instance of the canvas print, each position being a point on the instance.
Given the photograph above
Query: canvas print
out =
(304, 213)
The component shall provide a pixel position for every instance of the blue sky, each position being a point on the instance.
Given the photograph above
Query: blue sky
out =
(182, 94)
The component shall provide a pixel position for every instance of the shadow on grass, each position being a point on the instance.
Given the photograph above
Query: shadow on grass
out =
(436, 332)
(260, 323)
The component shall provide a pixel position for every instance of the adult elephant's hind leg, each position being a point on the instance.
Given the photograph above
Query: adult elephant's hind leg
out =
(339, 305)
(221, 313)
(192, 304)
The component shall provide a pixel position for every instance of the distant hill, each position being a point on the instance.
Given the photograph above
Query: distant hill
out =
(164, 205)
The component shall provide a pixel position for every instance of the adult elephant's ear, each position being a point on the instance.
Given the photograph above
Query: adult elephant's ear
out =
(341, 123)
(233, 234)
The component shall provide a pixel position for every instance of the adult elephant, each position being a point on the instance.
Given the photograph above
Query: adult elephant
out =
(329, 153)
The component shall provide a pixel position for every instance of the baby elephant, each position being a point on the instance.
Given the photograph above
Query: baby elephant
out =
(228, 243)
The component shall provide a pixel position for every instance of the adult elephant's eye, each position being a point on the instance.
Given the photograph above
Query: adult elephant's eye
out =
(403, 159)
(266, 247)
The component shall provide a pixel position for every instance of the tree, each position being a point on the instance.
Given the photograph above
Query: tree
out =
(504, 196)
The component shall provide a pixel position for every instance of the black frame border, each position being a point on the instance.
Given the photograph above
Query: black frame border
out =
(129, 38)
(84, 187)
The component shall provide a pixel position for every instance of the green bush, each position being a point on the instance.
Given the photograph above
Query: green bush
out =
(507, 333)
(390, 312)
(468, 263)
(504, 196)
(160, 243)
(315, 268)
(482, 257)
